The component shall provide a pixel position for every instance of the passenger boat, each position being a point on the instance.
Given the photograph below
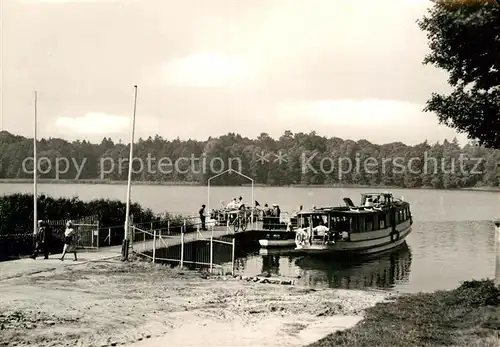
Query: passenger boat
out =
(380, 223)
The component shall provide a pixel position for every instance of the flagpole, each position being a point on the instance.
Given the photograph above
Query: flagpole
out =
(35, 169)
(125, 245)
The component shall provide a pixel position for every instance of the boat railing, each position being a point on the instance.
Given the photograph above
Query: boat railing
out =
(279, 223)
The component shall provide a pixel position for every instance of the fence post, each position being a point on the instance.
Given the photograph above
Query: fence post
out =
(211, 253)
(151, 226)
(497, 251)
(232, 257)
(132, 238)
(109, 236)
(182, 249)
(144, 240)
(154, 246)
(98, 233)
(168, 227)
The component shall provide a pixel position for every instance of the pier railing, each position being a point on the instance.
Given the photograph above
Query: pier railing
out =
(196, 249)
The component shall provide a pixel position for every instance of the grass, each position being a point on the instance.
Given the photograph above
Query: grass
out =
(466, 316)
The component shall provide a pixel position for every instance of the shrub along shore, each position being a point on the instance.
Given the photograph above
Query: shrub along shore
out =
(16, 219)
(466, 316)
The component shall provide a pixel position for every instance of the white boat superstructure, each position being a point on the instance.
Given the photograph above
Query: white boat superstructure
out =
(380, 223)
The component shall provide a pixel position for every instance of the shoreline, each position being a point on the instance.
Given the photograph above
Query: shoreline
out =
(257, 185)
(139, 304)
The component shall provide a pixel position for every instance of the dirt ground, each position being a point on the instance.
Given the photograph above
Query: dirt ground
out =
(110, 303)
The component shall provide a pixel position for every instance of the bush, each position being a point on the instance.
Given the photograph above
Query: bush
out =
(476, 294)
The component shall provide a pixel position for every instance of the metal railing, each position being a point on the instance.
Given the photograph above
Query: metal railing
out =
(184, 248)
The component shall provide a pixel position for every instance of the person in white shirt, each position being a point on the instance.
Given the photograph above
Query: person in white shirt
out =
(321, 230)
(232, 204)
(69, 239)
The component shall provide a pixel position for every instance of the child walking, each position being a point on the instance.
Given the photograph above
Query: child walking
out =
(69, 239)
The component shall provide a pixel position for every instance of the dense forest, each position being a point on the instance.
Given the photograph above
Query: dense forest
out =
(306, 159)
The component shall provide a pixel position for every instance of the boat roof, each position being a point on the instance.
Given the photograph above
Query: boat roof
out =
(379, 193)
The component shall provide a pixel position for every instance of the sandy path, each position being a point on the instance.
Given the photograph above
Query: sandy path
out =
(111, 303)
(276, 331)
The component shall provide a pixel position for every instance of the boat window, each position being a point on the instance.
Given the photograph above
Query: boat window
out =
(340, 223)
(368, 223)
(355, 226)
(382, 221)
(317, 219)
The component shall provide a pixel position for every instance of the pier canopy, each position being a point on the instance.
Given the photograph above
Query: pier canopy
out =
(230, 171)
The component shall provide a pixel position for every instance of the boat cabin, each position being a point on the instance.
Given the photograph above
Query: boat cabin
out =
(338, 221)
(358, 220)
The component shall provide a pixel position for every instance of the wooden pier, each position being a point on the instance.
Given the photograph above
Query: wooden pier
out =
(185, 248)
(147, 240)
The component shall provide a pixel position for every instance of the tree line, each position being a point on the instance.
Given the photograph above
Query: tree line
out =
(292, 159)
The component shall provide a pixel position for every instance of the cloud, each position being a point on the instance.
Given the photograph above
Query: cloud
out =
(206, 69)
(94, 123)
(378, 120)
(352, 111)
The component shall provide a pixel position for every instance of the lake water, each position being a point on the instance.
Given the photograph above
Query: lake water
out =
(452, 238)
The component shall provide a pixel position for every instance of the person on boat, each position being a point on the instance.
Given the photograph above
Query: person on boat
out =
(202, 217)
(368, 202)
(232, 205)
(241, 207)
(321, 229)
(276, 211)
(266, 211)
(69, 240)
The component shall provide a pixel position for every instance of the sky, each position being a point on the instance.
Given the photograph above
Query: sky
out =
(343, 68)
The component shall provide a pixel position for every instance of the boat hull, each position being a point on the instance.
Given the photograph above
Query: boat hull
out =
(378, 241)
(276, 243)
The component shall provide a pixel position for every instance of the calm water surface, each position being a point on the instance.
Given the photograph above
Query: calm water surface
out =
(452, 238)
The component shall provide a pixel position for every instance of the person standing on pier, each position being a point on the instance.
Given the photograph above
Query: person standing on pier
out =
(42, 242)
(69, 239)
(202, 217)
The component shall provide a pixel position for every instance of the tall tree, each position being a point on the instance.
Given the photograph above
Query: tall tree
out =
(464, 38)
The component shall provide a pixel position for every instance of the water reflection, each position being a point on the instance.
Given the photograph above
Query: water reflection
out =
(381, 271)
(271, 264)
